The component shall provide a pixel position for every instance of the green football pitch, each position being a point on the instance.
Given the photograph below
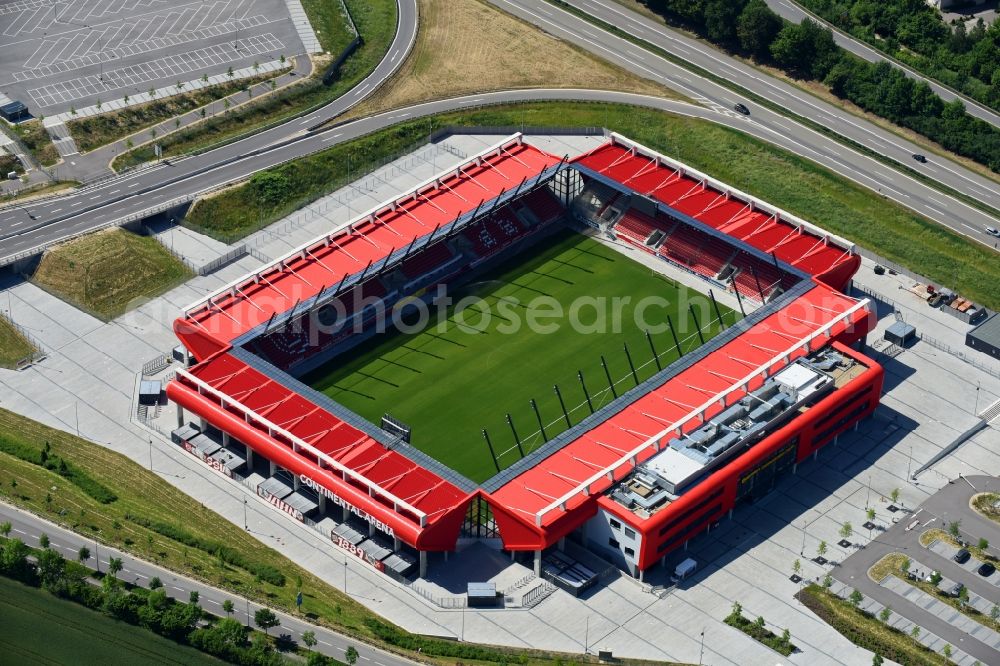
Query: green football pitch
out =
(483, 358)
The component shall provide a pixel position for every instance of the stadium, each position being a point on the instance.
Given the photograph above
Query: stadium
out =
(310, 380)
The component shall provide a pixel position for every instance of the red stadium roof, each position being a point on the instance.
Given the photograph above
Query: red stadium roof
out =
(577, 473)
(296, 433)
(303, 273)
(732, 212)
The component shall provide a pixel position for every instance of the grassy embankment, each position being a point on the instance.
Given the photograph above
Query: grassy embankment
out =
(866, 631)
(108, 272)
(376, 21)
(38, 142)
(94, 491)
(96, 131)
(793, 183)
(13, 345)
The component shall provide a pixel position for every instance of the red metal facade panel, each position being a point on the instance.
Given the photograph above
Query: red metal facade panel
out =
(443, 502)
(561, 472)
(704, 504)
(798, 247)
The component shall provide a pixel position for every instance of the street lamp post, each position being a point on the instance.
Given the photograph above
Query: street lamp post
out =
(701, 651)
(150, 454)
(246, 525)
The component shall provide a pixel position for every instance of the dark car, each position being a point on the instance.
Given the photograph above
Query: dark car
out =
(962, 556)
(742, 108)
(986, 570)
(920, 158)
(955, 590)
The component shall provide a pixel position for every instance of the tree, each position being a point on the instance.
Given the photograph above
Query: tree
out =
(114, 566)
(256, 66)
(756, 28)
(786, 636)
(737, 611)
(5, 528)
(227, 606)
(963, 595)
(193, 596)
(51, 569)
(905, 565)
(760, 623)
(270, 187)
(885, 614)
(935, 577)
(83, 555)
(721, 19)
(983, 543)
(201, 112)
(155, 583)
(152, 93)
(856, 598)
(125, 99)
(177, 123)
(281, 59)
(877, 659)
(796, 567)
(152, 134)
(98, 104)
(265, 619)
(955, 529)
(915, 632)
(827, 581)
(226, 104)
(995, 614)
(309, 638)
(946, 651)
(870, 514)
(180, 86)
(204, 77)
(318, 659)
(846, 530)
(806, 49)
(894, 495)
(129, 144)
(351, 655)
(43, 540)
(72, 110)
(229, 72)
(821, 549)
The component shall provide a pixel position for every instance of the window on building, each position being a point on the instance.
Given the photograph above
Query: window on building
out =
(615, 524)
(629, 552)
(630, 533)
(613, 542)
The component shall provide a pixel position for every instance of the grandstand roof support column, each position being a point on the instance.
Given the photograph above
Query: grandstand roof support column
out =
(538, 564)
(652, 349)
(562, 405)
(607, 373)
(718, 314)
(673, 333)
(517, 440)
(739, 301)
(489, 445)
(697, 324)
(583, 385)
(423, 564)
(760, 290)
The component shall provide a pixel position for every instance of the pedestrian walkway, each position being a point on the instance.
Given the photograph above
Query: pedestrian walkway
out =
(61, 138)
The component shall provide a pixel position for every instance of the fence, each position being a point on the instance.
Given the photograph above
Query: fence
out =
(538, 594)
(156, 365)
(35, 356)
(443, 602)
(232, 255)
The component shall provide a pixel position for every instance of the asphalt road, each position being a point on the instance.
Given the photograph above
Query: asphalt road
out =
(26, 228)
(948, 504)
(792, 11)
(622, 52)
(28, 528)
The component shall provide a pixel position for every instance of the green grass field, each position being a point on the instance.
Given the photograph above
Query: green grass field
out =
(13, 345)
(38, 628)
(451, 379)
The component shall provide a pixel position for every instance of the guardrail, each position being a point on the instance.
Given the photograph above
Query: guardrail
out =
(232, 255)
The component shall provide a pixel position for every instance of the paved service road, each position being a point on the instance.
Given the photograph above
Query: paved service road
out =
(24, 229)
(948, 504)
(795, 13)
(28, 527)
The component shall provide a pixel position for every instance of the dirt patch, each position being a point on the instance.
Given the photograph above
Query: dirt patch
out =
(469, 46)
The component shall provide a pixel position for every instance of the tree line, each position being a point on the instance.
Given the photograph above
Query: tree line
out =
(808, 51)
(965, 58)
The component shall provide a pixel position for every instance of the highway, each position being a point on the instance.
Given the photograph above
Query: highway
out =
(794, 12)
(23, 229)
(28, 527)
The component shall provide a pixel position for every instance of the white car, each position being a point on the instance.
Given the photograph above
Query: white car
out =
(993, 232)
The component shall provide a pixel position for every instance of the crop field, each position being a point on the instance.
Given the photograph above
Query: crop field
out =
(39, 628)
(503, 343)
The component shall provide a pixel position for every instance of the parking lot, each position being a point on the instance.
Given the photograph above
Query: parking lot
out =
(64, 55)
(939, 621)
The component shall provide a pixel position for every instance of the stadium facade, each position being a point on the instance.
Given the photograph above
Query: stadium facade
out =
(635, 480)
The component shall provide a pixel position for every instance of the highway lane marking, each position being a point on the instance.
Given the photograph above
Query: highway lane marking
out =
(362, 89)
(96, 196)
(111, 192)
(964, 224)
(57, 210)
(135, 184)
(331, 138)
(394, 56)
(936, 200)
